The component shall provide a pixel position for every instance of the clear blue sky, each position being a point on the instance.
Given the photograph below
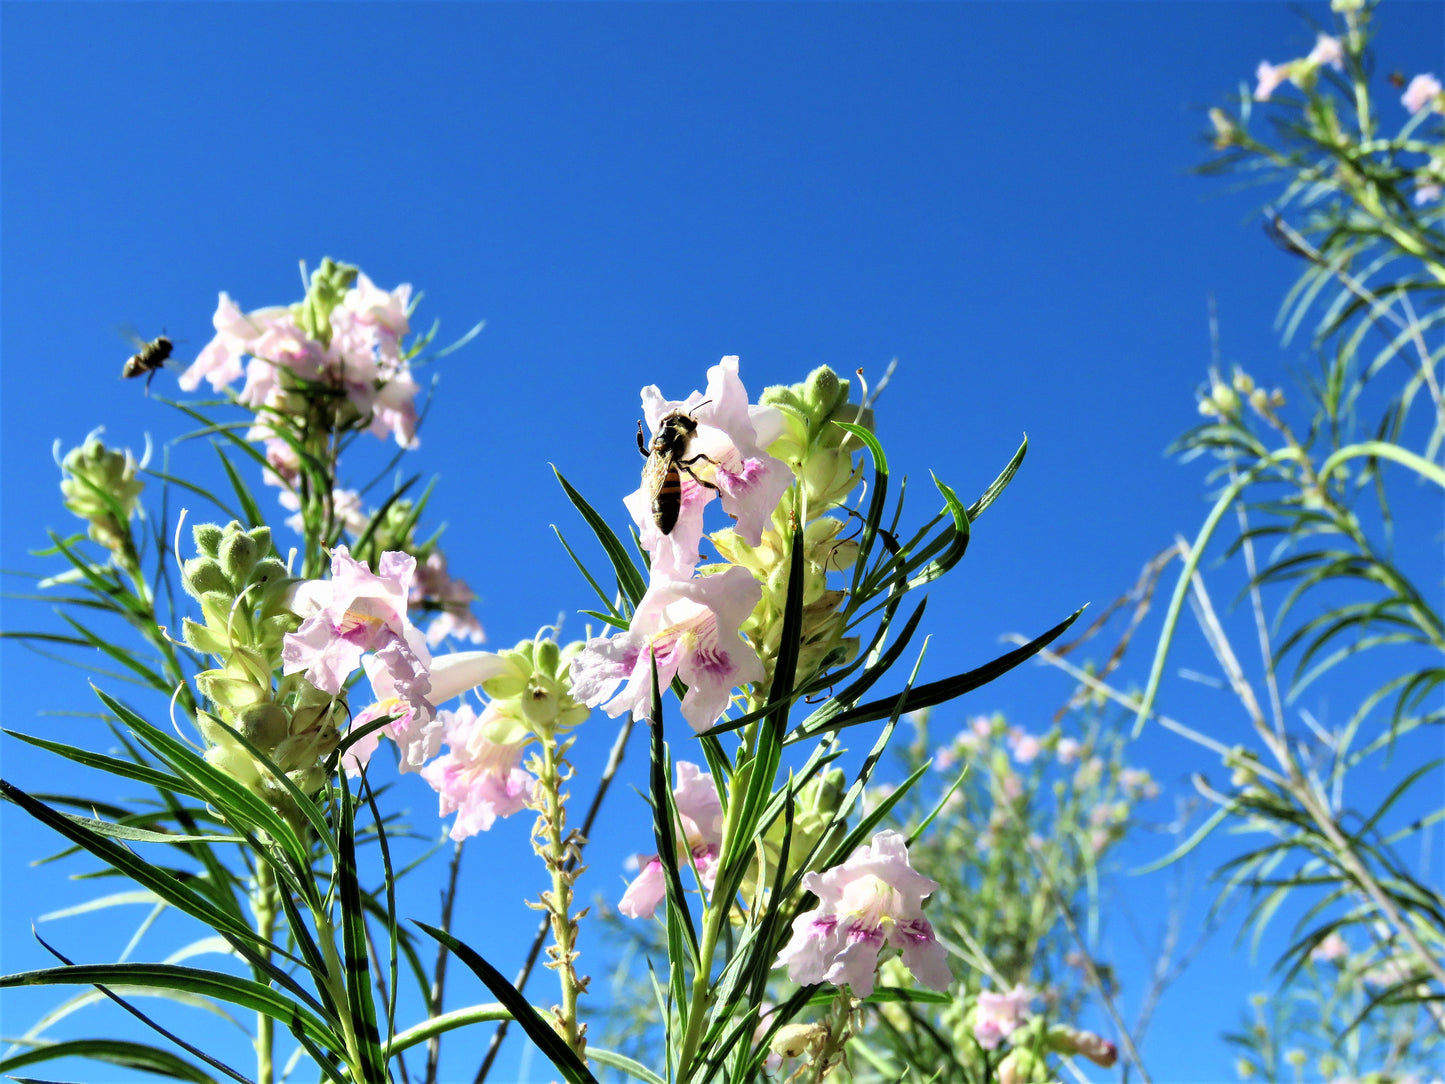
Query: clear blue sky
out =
(995, 194)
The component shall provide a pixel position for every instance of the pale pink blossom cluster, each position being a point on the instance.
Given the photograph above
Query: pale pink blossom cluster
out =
(996, 1016)
(359, 618)
(1423, 91)
(1331, 948)
(345, 504)
(357, 612)
(1268, 78)
(1327, 50)
(966, 742)
(480, 777)
(700, 811)
(873, 900)
(690, 624)
(363, 359)
(1023, 745)
(1137, 783)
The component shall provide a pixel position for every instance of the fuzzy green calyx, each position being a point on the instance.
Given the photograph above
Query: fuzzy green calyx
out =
(536, 691)
(100, 486)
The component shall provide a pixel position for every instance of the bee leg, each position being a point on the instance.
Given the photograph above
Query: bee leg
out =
(641, 444)
(687, 466)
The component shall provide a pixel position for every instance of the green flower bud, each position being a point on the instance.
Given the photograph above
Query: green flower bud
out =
(100, 486)
(1226, 400)
(229, 757)
(231, 693)
(200, 637)
(823, 391)
(1096, 1048)
(329, 284)
(819, 453)
(238, 555)
(795, 1040)
(207, 537)
(548, 652)
(263, 725)
(202, 574)
(1022, 1066)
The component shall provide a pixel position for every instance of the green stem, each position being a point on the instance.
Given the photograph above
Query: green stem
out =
(334, 978)
(557, 848)
(263, 907)
(715, 912)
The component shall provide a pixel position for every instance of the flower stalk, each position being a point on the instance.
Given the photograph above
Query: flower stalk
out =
(560, 851)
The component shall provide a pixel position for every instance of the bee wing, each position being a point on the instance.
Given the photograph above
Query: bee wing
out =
(654, 474)
(128, 332)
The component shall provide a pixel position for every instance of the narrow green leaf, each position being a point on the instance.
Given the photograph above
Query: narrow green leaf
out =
(937, 692)
(957, 542)
(531, 1020)
(127, 1055)
(124, 768)
(664, 830)
(626, 1064)
(629, 580)
(233, 989)
(450, 1021)
(999, 484)
(360, 1006)
(249, 506)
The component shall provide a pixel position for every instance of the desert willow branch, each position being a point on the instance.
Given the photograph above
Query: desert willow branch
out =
(1378, 307)
(1261, 626)
(1300, 788)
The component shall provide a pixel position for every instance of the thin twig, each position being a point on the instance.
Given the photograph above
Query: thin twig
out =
(449, 897)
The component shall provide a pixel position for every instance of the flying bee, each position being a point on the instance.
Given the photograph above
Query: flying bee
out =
(667, 461)
(148, 359)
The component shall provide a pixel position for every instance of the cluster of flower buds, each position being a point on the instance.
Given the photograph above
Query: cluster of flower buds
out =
(532, 688)
(334, 359)
(245, 595)
(1226, 401)
(100, 486)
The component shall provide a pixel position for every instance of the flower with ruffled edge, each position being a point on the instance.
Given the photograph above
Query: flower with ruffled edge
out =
(353, 612)
(996, 1015)
(417, 727)
(691, 628)
(873, 899)
(480, 778)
